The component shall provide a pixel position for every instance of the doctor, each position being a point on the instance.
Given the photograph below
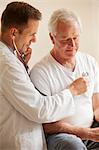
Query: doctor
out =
(22, 108)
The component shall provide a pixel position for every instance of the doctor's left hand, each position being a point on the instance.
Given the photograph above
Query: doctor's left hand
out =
(27, 55)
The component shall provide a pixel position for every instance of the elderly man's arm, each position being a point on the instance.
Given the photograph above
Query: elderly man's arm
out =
(62, 127)
(96, 106)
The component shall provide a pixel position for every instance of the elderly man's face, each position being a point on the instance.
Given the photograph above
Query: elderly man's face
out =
(66, 40)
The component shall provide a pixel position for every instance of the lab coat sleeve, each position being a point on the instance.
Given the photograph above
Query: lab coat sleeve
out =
(21, 94)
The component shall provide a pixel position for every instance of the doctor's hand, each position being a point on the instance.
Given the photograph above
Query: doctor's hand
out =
(25, 56)
(79, 86)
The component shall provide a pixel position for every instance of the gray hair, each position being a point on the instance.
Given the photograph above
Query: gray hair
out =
(65, 16)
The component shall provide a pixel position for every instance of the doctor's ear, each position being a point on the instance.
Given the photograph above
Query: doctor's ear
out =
(13, 32)
(13, 36)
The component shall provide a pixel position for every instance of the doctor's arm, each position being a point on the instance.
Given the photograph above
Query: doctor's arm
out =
(24, 98)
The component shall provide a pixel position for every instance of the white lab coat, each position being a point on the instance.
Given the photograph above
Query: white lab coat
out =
(23, 109)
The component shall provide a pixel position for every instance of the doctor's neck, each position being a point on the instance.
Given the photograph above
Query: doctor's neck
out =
(7, 40)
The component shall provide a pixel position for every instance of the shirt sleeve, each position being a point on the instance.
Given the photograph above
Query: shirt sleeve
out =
(19, 91)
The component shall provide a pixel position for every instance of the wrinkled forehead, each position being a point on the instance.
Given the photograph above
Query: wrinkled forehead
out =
(67, 29)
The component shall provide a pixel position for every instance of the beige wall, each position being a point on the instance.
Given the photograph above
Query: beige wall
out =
(88, 11)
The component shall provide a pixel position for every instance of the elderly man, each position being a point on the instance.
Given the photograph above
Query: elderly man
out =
(22, 108)
(59, 69)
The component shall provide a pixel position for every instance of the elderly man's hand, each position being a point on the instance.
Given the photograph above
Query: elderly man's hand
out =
(88, 134)
(79, 86)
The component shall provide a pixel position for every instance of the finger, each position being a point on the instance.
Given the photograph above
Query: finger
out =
(27, 53)
(28, 50)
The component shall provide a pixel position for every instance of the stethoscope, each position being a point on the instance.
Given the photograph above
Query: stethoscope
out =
(85, 74)
(22, 55)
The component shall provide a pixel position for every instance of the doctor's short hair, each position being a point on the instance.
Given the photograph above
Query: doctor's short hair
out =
(17, 14)
(62, 15)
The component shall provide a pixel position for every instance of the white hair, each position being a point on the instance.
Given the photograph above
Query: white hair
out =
(65, 16)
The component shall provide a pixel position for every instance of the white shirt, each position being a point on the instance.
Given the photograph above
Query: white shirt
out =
(50, 77)
(23, 109)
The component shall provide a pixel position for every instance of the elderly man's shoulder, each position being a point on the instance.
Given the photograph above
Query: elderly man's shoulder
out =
(85, 56)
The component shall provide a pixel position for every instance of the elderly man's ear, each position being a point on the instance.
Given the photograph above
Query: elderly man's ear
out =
(52, 38)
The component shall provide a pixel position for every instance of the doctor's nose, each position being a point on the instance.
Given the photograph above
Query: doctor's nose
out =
(33, 40)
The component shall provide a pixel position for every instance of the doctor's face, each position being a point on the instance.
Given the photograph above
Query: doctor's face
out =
(24, 39)
(66, 40)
